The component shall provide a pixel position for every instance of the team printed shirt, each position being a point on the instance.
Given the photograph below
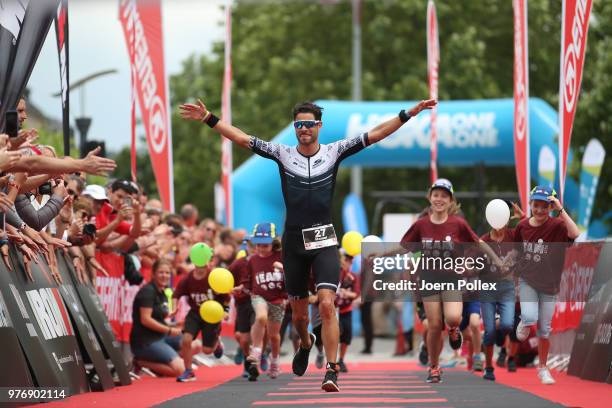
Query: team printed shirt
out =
(198, 291)
(238, 268)
(501, 248)
(265, 281)
(350, 282)
(308, 182)
(438, 240)
(542, 253)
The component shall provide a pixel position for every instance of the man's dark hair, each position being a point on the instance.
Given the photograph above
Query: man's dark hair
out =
(124, 185)
(308, 107)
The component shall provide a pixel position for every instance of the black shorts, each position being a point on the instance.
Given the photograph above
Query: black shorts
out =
(346, 327)
(245, 316)
(194, 324)
(324, 263)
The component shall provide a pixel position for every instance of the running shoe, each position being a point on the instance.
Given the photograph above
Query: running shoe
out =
(330, 382)
(274, 369)
(423, 356)
(435, 375)
(246, 363)
(478, 364)
(342, 367)
(522, 331)
(455, 338)
(300, 359)
(187, 376)
(511, 365)
(239, 356)
(545, 376)
(264, 363)
(218, 353)
(489, 374)
(501, 358)
(252, 369)
(320, 360)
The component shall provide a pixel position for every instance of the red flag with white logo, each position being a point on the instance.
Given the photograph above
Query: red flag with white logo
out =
(433, 62)
(226, 116)
(574, 31)
(61, 34)
(521, 102)
(142, 21)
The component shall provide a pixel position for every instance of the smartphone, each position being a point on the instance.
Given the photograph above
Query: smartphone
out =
(127, 201)
(11, 127)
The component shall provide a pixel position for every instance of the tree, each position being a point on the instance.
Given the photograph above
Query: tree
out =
(286, 52)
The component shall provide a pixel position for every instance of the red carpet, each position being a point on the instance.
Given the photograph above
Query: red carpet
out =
(569, 391)
(149, 391)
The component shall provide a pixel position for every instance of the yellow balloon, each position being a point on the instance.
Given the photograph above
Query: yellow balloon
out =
(211, 311)
(351, 242)
(241, 254)
(221, 280)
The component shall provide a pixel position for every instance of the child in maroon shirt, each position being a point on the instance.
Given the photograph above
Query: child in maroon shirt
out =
(265, 280)
(349, 291)
(197, 290)
(543, 240)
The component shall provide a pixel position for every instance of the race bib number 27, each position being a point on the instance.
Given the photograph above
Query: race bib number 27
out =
(319, 237)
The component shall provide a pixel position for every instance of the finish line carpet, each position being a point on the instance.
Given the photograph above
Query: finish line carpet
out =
(388, 384)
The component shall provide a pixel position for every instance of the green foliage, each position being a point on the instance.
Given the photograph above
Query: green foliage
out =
(289, 51)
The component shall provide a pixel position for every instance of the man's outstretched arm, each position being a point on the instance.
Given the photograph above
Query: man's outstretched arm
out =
(199, 112)
(386, 128)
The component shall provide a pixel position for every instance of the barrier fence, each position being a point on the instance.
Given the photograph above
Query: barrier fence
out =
(68, 335)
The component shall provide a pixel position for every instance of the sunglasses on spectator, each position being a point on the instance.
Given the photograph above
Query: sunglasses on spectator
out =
(72, 192)
(308, 124)
(211, 229)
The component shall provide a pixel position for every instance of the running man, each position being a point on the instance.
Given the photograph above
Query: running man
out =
(308, 177)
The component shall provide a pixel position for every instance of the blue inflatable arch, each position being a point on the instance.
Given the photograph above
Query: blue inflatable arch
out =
(468, 132)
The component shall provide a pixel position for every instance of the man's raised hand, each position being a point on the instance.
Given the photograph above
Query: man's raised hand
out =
(421, 106)
(194, 111)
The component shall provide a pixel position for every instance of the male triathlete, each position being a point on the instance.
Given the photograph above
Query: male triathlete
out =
(308, 177)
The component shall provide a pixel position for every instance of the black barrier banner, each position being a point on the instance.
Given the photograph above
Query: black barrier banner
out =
(597, 362)
(585, 334)
(50, 323)
(11, 354)
(28, 37)
(97, 318)
(87, 336)
(44, 367)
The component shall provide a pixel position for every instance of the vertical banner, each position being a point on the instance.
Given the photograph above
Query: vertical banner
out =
(574, 32)
(61, 34)
(521, 102)
(592, 162)
(226, 115)
(433, 63)
(142, 21)
(547, 164)
(23, 28)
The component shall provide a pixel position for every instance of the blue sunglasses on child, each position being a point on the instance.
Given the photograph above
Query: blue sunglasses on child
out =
(308, 124)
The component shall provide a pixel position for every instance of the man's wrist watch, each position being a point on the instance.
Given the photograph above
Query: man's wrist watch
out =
(403, 116)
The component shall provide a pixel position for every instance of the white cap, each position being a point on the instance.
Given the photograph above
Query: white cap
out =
(96, 192)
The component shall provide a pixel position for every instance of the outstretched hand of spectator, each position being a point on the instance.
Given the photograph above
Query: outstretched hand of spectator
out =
(94, 164)
(4, 250)
(8, 159)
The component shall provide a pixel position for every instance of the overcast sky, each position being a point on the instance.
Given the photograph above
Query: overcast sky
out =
(97, 43)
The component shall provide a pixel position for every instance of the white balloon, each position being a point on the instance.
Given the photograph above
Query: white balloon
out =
(369, 249)
(497, 213)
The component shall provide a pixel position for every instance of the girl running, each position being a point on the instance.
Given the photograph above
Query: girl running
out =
(544, 240)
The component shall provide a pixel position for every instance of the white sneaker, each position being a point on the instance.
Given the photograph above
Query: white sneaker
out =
(545, 376)
(522, 331)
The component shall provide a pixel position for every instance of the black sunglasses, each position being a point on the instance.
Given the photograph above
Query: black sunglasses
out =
(308, 124)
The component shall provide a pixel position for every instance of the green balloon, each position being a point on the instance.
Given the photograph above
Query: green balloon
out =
(200, 254)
